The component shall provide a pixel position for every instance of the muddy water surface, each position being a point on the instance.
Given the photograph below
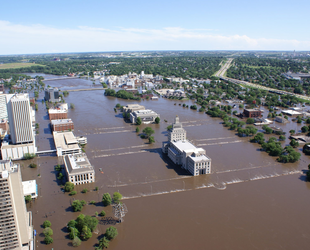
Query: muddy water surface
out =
(250, 201)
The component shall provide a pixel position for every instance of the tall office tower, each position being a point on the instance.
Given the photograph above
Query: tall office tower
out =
(20, 119)
(3, 107)
(16, 231)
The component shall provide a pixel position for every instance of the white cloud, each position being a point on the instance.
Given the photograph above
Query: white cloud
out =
(22, 39)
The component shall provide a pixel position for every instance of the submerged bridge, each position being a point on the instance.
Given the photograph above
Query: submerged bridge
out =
(61, 78)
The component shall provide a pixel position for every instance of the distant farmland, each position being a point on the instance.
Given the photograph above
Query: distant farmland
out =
(18, 65)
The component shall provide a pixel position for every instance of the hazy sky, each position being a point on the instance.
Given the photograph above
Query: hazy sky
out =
(120, 25)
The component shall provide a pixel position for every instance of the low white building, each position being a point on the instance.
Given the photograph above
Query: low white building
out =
(16, 152)
(66, 143)
(147, 116)
(30, 188)
(78, 169)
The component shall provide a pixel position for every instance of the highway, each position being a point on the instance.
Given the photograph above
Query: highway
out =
(224, 68)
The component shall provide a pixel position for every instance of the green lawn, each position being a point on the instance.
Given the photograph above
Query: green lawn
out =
(18, 65)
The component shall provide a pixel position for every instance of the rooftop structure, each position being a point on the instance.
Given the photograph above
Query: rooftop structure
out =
(78, 169)
(16, 229)
(66, 143)
(133, 107)
(290, 112)
(147, 116)
(62, 125)
(184, 153)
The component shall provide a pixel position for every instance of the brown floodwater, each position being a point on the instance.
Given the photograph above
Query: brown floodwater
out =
(250, 201)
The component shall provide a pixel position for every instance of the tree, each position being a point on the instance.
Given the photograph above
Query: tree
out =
(72, 106)
(282, 138)
(103, 243)
(151, 139)
(169, 127)
(148, 131)
(29, 156)
(137, 130)
(33, 165)
(85, 190)
(28, 198)
(71, 223)
(250, 121)
(77, 205)
(85, 233)
(69, 186)
(48, 240)
(47, 223)
(48, 231)
(102, 213)
(58, 168)
(292, 131)
(76, 242)
(73, 233)
(111, 233)
(157, 120)
(294, 143)
(106, 199)
(73, 193)
(117, 197)
(138, 121)
(305, 129)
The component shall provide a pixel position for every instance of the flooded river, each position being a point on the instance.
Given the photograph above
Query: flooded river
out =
(250, 201)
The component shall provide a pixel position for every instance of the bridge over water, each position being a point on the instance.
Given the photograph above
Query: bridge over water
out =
(61, 78)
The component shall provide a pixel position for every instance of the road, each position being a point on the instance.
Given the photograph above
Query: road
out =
(224, 68)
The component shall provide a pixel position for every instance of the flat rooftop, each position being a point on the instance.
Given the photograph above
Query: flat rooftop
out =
(187, 146)
(30, 187)
(77, 163)
(252, 109)
(65, 140)
(55, 111)
(61, 121)
(291, 112)
(145, 112)
(200, 158)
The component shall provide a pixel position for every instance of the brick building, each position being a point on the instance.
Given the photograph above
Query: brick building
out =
(62, 125)
(56, 114)
(252, 113)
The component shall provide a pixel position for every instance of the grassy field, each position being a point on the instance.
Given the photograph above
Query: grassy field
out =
(18, 65)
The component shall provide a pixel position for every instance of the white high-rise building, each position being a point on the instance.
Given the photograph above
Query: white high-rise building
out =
(16, 231)
(20, 122)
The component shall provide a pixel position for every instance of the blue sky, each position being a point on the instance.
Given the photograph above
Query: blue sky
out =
(84, 26)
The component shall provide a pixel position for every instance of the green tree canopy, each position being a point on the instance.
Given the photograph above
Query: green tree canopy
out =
(138, 121)
(117, 197)
(148, 131)
(47, 223)
(69, 186)
(111, 233)
(106, 199)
